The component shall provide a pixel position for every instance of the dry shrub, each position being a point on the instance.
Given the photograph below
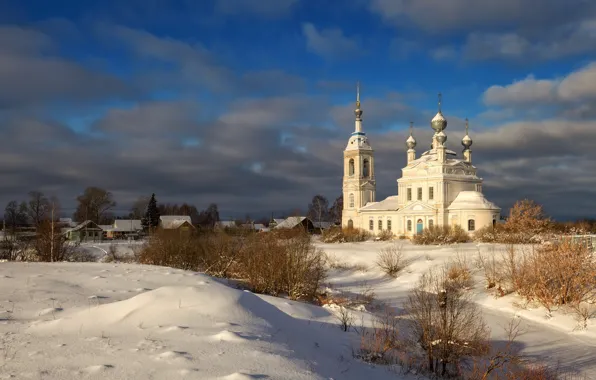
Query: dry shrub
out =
(553, 275)
(526, 224)
(459, 273)
(51, 245)
(391, 260)
(344, 235)
(443, 234)
(12, 249)
(492, 268)
(380, 343)
(271, 263)
(563, 273)
(345, 318)
(445, 323)
(183, 250)
(294, 266)
(385, 235)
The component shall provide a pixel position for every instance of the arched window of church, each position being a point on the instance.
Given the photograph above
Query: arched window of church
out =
(430, 223)
(371, 225)
(380, 224)
(350, 224)
(366, 168)
(351, 167)
(388, 224)
(351, 200)
(409, 225)
(471, 225)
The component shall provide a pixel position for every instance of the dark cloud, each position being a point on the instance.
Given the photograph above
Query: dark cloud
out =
(438, 15)
(31, 75)
(522, 31)
(271, 147)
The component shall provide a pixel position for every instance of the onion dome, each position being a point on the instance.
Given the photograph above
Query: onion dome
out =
(358, 111)
(441, 137)
(466, 141)
(411, 141)
(439, 123)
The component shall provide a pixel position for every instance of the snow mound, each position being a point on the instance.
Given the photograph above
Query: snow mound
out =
(49, 311)
(165, 306)
(243, 376)
(173, 356)
(94, 369)
(228, 336)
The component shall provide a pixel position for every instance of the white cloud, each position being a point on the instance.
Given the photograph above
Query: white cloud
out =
(329, 43)
(578, 86)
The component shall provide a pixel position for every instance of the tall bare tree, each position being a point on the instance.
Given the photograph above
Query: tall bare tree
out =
(94, 205)
(15, 215)
(139, 208)
(337, 209)
(38, 207)
(318, 209)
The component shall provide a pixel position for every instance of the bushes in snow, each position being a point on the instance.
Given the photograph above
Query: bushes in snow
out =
(445, 323)
(273, 263)
(443, 234)
(561, 274)
(391, 260)
(526, 224)
(385, 235)
(344, 235)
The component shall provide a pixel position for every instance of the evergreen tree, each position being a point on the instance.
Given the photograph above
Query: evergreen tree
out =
(151, 218)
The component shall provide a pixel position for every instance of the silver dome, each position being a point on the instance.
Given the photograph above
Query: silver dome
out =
(411, 142)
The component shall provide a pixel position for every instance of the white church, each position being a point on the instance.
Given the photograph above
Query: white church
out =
(436, 188)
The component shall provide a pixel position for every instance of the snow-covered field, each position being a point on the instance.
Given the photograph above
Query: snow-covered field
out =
(125, 321)
(553, 339)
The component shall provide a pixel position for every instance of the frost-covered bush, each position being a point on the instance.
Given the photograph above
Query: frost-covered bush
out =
(441, 235)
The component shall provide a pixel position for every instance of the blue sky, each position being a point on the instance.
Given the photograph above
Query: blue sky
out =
(187, 99)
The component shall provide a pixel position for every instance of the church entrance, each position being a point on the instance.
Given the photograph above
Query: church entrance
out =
(419, 226)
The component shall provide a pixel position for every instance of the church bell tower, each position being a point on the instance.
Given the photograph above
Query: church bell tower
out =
(359, 186)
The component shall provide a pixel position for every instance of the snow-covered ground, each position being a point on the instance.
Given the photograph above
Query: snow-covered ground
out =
(127, 321)
(124, 321)
(552, 339)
